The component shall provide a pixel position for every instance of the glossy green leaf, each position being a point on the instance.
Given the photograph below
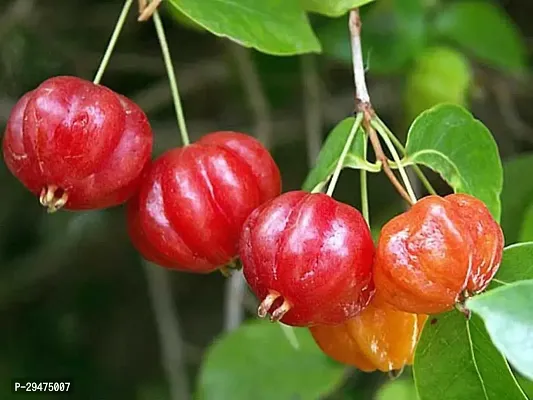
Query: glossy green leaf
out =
(508, 315)
(456, 360)
(257, 362)
(333, 8)
(526, 384)
(517, 196)
(183, 20)
(486, 31)
(393, 33)
(449, 140)
(271, 26)
(517, 264)
(331, 151)
(439, 75)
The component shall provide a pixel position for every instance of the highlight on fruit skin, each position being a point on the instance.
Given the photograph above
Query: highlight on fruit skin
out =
(308, 258)
(77, 145)
(193, 201)
(441, 250)
(380, 338)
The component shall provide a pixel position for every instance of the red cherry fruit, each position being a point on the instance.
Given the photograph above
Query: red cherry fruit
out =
(77, 144)
(430, 255)
(193, 201)
(308, 258)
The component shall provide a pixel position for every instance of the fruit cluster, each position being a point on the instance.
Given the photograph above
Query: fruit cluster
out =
(309, 258)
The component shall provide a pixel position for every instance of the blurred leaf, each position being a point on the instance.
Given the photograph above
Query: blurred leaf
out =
(153, 391)
(277, 76)
(333, 8)
(400, 389)
(456, 360)
(440, 75)
(449, 140)
(271, 26)
(526, 233)
(331, 152)
(393, 34)
(517, 264)
(27, 58)
(257, 362)
(486, 31)
(517, 196)
(508, 317)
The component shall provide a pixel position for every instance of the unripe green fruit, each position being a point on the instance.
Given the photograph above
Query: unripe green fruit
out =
(440, 75)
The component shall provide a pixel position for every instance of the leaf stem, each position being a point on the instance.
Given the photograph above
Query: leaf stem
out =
(347, 145)
(396, 158)
(380, 155)
(363, 104)
(364, 186)
(171, 78)
(361, 89)
(112, 41)
(415, 167)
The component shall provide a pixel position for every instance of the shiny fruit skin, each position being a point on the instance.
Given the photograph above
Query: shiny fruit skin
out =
(193, 201)
(314, 253)
(84, 139)
(428, 256)
(488, 240)
(380, 337)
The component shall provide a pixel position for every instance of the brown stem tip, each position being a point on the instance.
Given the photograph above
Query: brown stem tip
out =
(396, 373)
(267, 304)
(279, 312)
(147, 9)
(53, 198)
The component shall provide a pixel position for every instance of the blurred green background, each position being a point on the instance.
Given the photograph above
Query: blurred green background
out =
(75, 302)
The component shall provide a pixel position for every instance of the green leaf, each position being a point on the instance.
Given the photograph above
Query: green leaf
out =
(257, 362)
(449, 140)
(272, 26)
(394, 33)
(400, 389)
(439, 75)
(456, 360)
(517, 196)
(183, 20)
(508, 317)
(486, 31)
(517, 264)
(333, 8)
(331, 152)
(526, 384)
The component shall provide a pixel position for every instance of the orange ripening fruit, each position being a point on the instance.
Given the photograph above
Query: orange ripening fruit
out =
(487, 237)
(430, 255)
(381, 338)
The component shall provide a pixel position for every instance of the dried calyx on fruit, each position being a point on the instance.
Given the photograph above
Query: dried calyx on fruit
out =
(380, 338)
(441, 250)
(308, 258)
(77, 145)
(193, 201)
